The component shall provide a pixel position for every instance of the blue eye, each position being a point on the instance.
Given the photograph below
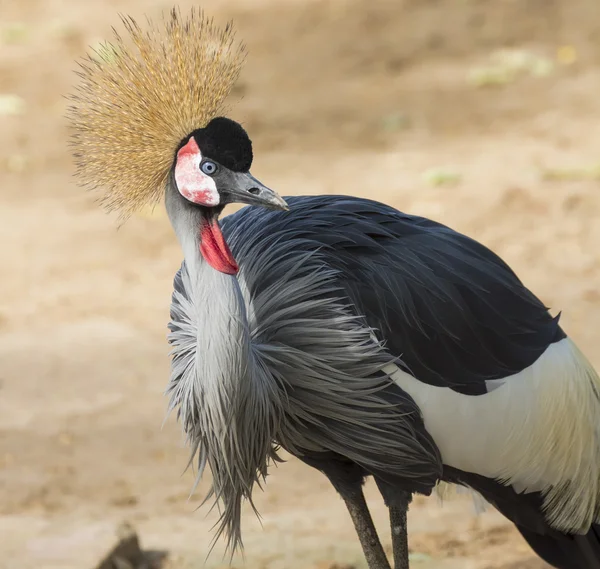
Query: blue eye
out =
(208, 167)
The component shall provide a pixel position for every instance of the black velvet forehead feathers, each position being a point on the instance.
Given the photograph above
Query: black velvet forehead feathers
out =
(226, 142)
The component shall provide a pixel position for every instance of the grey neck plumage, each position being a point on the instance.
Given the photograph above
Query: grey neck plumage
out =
(216, 306)
(216, 384)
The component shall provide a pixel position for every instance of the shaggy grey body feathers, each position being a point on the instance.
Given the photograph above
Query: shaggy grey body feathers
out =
(291, 351)
(297, 367)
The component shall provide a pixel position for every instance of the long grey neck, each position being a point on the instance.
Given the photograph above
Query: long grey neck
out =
(226, 400)
(223, 338)
(219, 311)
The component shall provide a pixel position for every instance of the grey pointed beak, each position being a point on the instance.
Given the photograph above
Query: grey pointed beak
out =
(245, 188)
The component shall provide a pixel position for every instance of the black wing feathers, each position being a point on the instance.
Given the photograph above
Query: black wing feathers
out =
(453, 311)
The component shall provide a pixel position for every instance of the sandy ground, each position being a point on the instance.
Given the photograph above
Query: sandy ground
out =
(371, 98)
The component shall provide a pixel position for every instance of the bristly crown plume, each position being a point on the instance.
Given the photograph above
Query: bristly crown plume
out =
(141, 95)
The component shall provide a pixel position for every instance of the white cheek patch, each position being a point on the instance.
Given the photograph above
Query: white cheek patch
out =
(192, 183)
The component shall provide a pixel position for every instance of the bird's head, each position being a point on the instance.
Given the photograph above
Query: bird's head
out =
(212, 168)
(145, 120)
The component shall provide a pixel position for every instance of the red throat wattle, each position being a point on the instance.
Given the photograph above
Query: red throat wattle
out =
(214, 248)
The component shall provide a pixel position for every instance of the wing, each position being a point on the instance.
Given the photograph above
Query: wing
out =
(454, 312)
(503, 393)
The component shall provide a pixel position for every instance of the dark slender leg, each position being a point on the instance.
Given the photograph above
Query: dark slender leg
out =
(397, 501)
(347, 478)
(367, 534)
(399, 535)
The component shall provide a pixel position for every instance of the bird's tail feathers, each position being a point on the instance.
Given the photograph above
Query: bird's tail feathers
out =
(566, 551)
(560, 549)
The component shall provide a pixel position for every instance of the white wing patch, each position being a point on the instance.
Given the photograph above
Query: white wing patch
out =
(538, 430)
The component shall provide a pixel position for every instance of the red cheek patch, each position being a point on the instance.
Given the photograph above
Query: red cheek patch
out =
(192, 184)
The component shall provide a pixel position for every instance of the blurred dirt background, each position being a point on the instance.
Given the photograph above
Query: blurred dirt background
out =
(483, 114)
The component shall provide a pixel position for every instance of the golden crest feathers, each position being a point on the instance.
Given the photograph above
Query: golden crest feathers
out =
(139, 96)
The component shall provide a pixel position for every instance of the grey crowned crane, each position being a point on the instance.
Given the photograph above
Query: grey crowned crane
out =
(362, 340)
